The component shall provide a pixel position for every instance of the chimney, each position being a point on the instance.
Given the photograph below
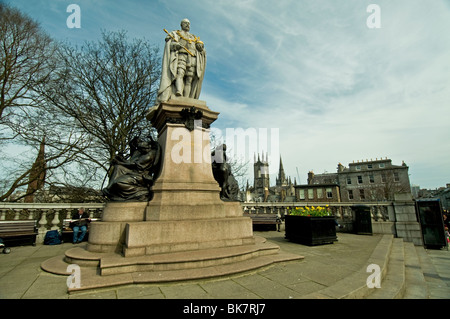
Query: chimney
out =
(310, 177)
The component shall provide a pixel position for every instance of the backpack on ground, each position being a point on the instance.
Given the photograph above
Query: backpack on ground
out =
(52, 237)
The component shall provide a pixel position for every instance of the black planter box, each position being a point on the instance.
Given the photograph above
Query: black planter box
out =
(310, 230)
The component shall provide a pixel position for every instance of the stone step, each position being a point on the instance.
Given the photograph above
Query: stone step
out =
(411, 274)
(100, 270)
(90, 279)
(416, 286)
(436, 287)
(185, 260)
(393, 284)
(110, 263)
(355, 285)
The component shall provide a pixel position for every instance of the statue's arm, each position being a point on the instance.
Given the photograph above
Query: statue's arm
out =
(199, 46)
(174, 45)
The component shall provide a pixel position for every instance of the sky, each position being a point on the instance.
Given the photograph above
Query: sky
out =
(311, 74)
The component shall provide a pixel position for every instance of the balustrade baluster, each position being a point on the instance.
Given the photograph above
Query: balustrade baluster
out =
(384, 212)
(338, 214)
(17, 214)
(378, 214)
(43, 227)
(347, 213)
(55, 221)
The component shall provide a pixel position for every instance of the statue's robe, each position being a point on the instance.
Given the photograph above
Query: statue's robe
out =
(169, 70)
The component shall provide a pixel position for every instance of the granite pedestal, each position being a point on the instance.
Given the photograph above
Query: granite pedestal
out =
(186, 226)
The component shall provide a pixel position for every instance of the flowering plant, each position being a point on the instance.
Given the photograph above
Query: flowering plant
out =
(310, 211)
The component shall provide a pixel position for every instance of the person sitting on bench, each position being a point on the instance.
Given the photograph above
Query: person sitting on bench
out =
(79, 224)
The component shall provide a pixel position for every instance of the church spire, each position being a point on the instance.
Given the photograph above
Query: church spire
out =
(281, 179)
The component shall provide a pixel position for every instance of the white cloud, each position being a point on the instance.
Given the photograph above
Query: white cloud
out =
(337, 90)
(361, 96)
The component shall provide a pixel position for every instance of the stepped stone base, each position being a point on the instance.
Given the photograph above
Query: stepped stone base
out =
(126, 252)
(100, 270)
(134, 236)
(185, 232)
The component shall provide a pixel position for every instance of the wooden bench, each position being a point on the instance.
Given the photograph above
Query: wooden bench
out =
(66, 230)
(24, 231)
(265, 219)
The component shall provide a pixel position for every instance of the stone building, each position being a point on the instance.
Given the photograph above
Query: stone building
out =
(441, 193)
(319, 193)
(361, 181)
(374, 180)
(444, 196)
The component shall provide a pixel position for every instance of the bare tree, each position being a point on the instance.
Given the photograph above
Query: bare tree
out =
(106, 88)
(49, 146)
(388, 187)
(24, 52)
(36, 142)
(71, 110)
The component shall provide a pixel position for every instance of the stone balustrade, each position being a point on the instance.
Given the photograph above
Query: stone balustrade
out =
(380, 211)
(49, 216)
(387, 217)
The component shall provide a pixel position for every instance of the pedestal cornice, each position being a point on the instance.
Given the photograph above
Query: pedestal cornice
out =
(172, 112)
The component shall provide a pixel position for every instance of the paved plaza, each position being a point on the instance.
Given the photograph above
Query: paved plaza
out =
(325, 268)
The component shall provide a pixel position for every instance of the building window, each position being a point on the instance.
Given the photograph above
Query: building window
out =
(371, 179)
(381, 165)
(350, 194)
(301, 193)
(361, 194)
(396, 177)
(349, 180)
(319, 193)
(329, 193)
(369, 166)
(383, 178)
(358, 167)
(310, 193)
(360, 180)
